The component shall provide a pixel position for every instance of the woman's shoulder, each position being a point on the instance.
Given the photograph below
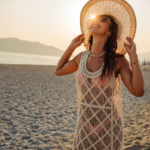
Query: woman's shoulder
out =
(120, 57)
(121, 60)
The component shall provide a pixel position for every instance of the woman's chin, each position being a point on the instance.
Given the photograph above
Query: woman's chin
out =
(94, 32)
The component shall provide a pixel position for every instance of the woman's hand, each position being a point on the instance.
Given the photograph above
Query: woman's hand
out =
(77, 41)
(131, 49)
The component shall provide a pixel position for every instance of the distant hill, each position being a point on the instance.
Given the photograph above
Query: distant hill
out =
(15, 45)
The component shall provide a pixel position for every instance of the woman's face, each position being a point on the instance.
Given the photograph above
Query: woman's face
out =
(100, 26)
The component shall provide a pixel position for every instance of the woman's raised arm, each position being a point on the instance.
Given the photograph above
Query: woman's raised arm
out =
(65, 66)
(133, 79)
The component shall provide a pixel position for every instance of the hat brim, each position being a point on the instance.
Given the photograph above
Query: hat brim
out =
(120, 10)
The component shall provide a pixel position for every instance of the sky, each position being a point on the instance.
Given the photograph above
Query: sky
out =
(57, 22)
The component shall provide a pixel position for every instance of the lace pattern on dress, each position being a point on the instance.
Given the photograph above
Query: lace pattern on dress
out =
(100, 119)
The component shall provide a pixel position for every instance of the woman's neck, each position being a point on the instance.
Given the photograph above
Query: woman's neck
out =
(97, 47)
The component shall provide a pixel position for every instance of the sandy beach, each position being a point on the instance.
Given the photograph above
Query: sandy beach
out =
(38, 110)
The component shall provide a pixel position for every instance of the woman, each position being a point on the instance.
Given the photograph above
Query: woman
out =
(100, 120)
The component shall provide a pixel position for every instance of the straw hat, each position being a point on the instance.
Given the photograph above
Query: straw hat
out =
(120, 10)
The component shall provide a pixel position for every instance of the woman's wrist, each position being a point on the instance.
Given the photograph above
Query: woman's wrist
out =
(72, 46)
(133, 58)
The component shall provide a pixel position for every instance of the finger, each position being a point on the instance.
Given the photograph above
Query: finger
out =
(82, 38)
(129, 39)
(125, 44)
(80, 35)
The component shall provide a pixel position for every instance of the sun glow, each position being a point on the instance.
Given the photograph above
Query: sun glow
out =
(93, 16)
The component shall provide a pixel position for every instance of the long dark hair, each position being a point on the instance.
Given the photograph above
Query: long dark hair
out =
(110, 48)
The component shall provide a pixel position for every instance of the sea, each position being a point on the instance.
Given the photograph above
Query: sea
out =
(30, 59)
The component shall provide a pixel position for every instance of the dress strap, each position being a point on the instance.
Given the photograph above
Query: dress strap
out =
(82, 58)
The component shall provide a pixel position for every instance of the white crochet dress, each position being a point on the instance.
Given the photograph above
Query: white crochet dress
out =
(100, 118)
